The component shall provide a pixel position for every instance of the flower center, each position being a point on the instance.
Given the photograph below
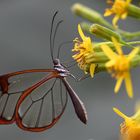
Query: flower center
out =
(119, 7)
(121, 67)
(130, 131)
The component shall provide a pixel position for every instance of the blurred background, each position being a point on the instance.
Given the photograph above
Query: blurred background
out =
(24, 44)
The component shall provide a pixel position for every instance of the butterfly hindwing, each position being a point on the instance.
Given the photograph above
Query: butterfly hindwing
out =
(41, 106)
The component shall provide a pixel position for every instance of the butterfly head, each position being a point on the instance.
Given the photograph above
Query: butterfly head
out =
(63, 71)
(56, 62)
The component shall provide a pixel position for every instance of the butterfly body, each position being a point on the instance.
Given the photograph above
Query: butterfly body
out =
(61, 69)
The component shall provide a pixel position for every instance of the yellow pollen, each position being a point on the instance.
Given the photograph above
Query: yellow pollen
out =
(82, 49)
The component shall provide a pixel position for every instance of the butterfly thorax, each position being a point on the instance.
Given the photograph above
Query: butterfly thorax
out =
(63, 71)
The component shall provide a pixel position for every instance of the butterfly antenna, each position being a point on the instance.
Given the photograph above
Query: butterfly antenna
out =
(62, 45)
(55, 32)
(51, 33)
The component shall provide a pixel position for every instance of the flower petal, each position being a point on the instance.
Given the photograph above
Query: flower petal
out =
(109, 53)
(92, 70)
(81, 32)
(128, 1)
(128, 85)
(108, 12)
(110, 63)
(115, 20)
(118, 84)
(117, 46)
(124, 15)
(133, 53)
(117, 111)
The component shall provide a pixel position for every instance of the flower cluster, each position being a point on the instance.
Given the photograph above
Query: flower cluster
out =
(118, 64)
(108, 55)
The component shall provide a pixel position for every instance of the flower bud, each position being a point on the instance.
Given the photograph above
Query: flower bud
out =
(89, 14)
(104, 32)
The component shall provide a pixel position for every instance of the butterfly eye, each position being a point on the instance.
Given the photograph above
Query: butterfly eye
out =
(56, 61)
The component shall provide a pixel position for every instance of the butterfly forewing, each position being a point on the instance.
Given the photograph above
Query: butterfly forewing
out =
(12, 87)
(24, 81)
(43, 106)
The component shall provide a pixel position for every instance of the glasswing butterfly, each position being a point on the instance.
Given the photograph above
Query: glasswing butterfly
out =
(35, 99)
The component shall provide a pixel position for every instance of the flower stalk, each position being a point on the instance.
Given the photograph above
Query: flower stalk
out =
(133, 11)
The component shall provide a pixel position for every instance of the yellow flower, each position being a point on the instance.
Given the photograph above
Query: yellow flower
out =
(119, 8)
(130, 128)
(82, 49)
(119, 66)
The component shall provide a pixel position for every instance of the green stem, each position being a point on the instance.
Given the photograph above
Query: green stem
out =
(133, 11)
(128, 35)
(134, 43)
(135, 62)
(100, 68)
(111, 45)
(98, 57)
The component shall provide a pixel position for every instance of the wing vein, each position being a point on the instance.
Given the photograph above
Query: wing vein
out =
(53, 108)
(39, 114)
(61, 93)
(27, 110)
(5, 106)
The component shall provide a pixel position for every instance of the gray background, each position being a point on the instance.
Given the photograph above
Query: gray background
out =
(24, 44)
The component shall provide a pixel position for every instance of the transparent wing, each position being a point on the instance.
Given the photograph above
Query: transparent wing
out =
(40, 107)
(12, 87)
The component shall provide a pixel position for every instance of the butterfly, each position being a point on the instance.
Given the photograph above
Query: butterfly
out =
(36, 99)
